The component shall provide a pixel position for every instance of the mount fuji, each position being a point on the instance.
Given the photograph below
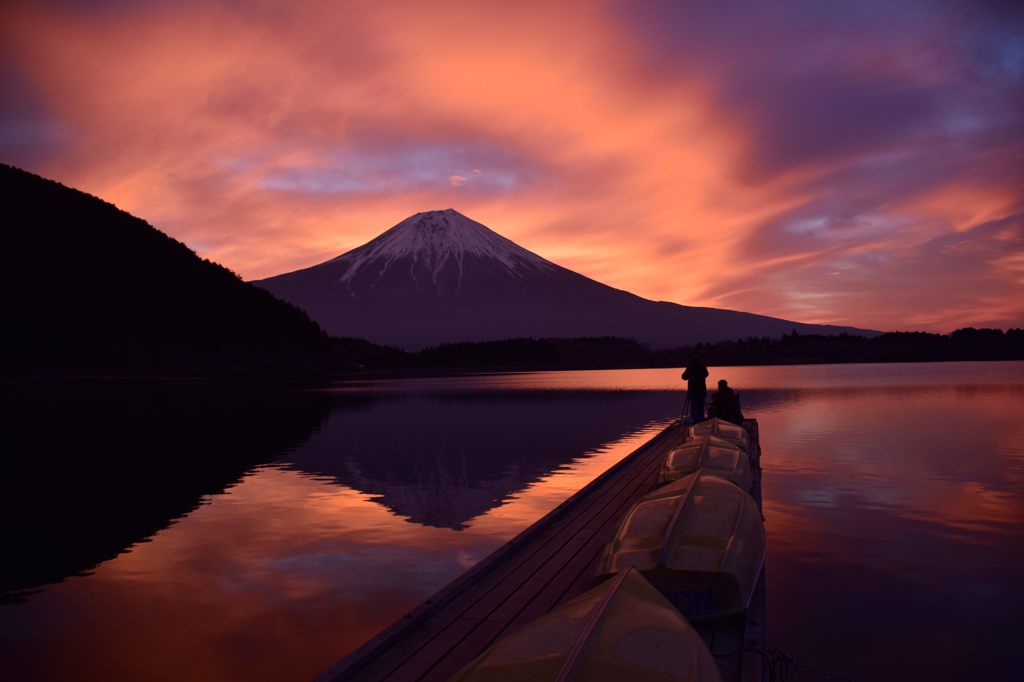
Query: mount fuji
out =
(440, 277)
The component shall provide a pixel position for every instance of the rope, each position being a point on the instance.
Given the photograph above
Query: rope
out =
(782, 667)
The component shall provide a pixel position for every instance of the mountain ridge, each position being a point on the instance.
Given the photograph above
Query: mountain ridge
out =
(440, 277)
(112, 290)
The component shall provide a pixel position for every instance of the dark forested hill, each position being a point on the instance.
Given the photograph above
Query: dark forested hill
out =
(84, 283)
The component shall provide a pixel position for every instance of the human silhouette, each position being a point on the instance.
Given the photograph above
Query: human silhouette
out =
(696, 388)
(725, 404)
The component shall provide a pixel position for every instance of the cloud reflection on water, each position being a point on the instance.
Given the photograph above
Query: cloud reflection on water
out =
(893, 504)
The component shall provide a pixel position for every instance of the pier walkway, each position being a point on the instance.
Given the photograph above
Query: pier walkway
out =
(548, 563)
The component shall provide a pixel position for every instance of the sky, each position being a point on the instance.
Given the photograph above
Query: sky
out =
(856, 163)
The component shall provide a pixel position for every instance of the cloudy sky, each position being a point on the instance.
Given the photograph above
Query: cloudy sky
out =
(857, 163)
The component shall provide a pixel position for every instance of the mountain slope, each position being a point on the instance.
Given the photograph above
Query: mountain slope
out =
(85, 279)
(440, 277)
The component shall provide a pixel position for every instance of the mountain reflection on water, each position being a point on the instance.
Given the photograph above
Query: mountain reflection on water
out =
(261, 535)
(452, 459)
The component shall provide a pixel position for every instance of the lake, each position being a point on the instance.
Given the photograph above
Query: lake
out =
(195, 531)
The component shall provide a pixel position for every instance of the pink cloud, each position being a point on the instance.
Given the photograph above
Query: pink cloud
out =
(678, 153)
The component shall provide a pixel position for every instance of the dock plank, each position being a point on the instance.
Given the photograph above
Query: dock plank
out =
(552, 561)
(381, 656)
(540, 580)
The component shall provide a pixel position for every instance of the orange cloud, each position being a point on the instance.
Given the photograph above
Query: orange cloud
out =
(635, 149)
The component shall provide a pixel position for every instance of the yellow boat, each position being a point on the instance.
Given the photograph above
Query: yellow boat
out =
(715, 455)
(722, 429)
(620, 630)
(699, 540)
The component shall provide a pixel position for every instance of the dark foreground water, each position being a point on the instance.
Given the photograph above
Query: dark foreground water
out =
(202, 533)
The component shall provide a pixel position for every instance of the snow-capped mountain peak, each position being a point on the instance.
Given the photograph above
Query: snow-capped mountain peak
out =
(434, 239)
(439, 277)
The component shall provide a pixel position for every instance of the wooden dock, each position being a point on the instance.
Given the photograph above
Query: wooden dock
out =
(548, 563)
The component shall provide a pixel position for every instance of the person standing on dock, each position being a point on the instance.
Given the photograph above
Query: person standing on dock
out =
(696, 388)
(725, 404)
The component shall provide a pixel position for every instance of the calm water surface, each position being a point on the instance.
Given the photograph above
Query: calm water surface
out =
(195, 533)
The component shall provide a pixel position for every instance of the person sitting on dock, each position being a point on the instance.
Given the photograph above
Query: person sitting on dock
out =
(696, 388)
(725, 404)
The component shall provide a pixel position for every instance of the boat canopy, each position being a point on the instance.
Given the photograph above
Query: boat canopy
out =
(723, 429)
(717, 456)
(699, 540)
(620, 630)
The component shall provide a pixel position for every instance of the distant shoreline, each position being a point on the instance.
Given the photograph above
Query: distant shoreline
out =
(248, 381)
(619, 353)
(354, 359)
